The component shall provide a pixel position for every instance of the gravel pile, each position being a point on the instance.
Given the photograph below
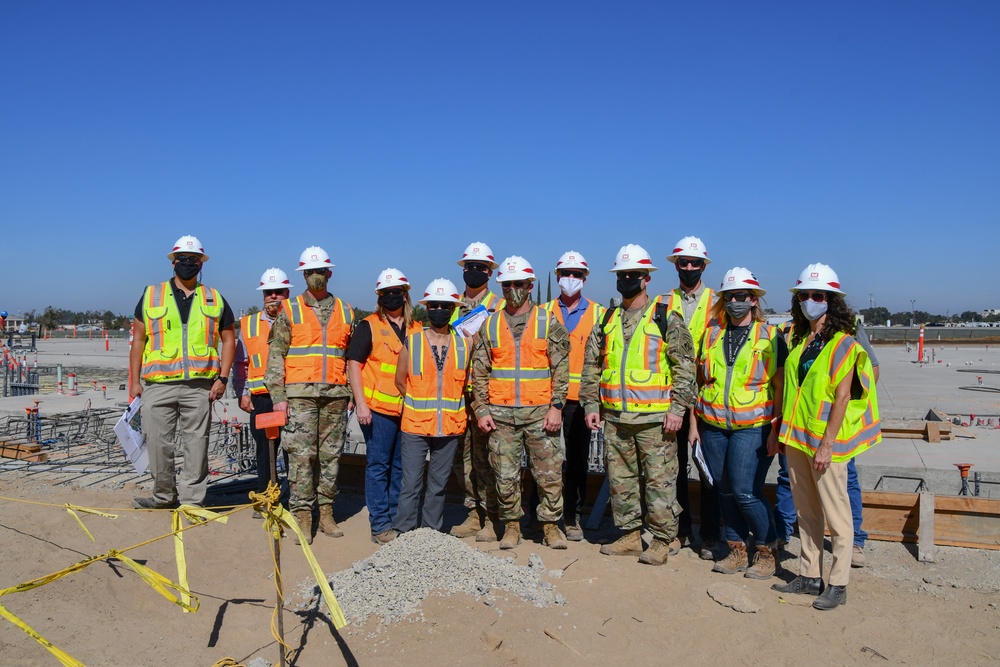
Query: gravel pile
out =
(392, 582)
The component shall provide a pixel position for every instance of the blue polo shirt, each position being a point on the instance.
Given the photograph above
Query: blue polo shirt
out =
(571, 318)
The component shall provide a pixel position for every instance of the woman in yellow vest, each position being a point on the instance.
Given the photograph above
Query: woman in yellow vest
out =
(371, 365)
(431, 375)
(740, 378)
(830, 415)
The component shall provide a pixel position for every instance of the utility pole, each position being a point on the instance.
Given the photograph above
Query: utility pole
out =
(913, 303)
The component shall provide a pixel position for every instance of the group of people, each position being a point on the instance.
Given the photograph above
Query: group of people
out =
(491, 379)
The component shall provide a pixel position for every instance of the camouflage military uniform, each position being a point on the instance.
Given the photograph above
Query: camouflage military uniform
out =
(520, 428)
(317, 418)
(635, 442)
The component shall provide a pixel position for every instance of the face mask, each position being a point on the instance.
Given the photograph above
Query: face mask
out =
(812, 310)
(317, 282)
(439, 318)
(737, 309)
(689, 278)
(475, 279)
(570, 286)
(187, 270)
(629, 287)
(516, 296)
(391, 302)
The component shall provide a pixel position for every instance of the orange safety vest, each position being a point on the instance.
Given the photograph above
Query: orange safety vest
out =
(316, 354)
(254, 330)
(378, 374)
(521, 374)
(577, 342)
(434, 404)
(176, 351)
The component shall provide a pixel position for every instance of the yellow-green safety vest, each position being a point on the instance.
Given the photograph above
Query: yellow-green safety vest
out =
(636, 376)
(738, 396)
(700, 321)
(176, 351)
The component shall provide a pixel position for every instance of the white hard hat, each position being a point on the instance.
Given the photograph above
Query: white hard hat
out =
(391, 278)
(689, 246)
(441, 290)
(478, 252)
(738, 278)
(274, 279)
(572, 260)
(314, 257)
(515, 268)
(818, 277)
(190, 245)
(632, 257)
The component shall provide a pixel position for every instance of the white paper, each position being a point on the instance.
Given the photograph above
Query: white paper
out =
(133, 442)
(469, 326)
(701, 464)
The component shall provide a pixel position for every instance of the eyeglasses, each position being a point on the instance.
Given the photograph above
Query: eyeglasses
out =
(476, 266)
(515, 284)
(564, 273)
(819, 297)
(394, 291)
(629, 275)
(275, 292)
(440, 305)
(736, 296)
(187, 258)
(312, 272)
(687, 261)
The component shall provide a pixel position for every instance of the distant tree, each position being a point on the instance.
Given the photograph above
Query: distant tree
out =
(969, 316)
(875, 316)
(253, 310)
(30, 316)
(49, 318)
(548, 291)
(420, 314)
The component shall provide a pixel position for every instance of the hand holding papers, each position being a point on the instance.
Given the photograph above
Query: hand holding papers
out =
(133, 441)
(469, 326)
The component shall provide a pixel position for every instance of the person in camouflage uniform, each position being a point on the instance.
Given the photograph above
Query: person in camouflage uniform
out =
(641, 418)
(520, 404)
(316, 405)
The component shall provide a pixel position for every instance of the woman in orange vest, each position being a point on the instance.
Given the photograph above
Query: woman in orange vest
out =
(431, 375)
(371, 365)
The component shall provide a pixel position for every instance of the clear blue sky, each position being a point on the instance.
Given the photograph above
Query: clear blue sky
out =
(863, 135)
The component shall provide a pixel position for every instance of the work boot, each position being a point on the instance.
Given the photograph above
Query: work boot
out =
(511, 534)
(305, 520)
(800, 586)
(554, 539)
(472, 524)
(858, 556)
(657, 552)
(629, 544)
(735, 562)
(385, 536)
(574, 533)
(831, 598)
(708, 549)
(491, 530)
(764, 564)
(151, 504)
(674, 547)
(326, 523)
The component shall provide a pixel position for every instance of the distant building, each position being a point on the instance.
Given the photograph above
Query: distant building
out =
(990, 312)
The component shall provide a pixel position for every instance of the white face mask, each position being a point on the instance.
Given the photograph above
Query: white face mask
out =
(570, 286)
(812, 310)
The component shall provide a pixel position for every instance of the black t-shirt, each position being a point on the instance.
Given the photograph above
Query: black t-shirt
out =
(184, 307)
(360, 347)
(735, 334)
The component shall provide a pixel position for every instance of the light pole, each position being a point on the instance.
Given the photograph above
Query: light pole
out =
(913, 303)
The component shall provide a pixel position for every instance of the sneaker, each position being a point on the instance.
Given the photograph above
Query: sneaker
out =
(151, 504)
(858, 556)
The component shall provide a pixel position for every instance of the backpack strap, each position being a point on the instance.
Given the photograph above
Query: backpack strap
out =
(660, 317)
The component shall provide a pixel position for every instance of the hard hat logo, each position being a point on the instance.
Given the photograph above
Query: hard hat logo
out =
(814, 276)
(313, 256)
(625, 256)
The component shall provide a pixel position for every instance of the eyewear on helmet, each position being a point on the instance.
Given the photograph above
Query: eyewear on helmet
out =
(688, 261)
(188, 258)
(477, 266)
(629, 275)
(819, 297)
(571, 273)
(393, 291)
(440, 305)
(736, 296)
(515, 284)
(275, 292)
(310, 272)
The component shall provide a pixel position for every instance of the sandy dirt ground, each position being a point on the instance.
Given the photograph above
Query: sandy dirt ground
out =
(899, 611)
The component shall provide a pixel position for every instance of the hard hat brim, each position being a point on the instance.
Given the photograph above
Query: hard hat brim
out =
(795, 290)
(268, 287)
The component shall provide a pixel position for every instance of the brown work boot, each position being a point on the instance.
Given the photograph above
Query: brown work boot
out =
(574, 533)
(657, 552)
(511, 534)
(764, 564)
(305, 520)
(472, 524)
(491, 530)
(326, 523)
(554, 539)
(735, 562)
(629, 544)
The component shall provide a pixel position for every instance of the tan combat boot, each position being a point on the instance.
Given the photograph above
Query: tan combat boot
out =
(554, 539)
(326, 523)
(491, 530)
(472, 524)
(511, 534)
(764, 565)
(657, 552)
(305, 520)
(629, 544)
(735, 562)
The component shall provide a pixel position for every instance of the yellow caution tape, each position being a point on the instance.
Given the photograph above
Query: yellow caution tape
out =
(73, 509)
(63, 657)
(159, 583)
(194, 515)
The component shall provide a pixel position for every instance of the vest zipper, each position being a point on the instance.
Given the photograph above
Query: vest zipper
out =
(440, 374)
(325, 350)
(517, 368)
(621, 324)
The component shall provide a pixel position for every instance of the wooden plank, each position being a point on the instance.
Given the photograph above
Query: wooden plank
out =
(925, 541)
(933, 431)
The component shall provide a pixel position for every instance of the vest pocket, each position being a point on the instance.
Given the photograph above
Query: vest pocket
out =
(639, 375)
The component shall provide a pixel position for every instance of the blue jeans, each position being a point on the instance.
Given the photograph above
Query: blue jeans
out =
(384, 470)
(784, 512)
(739, 462)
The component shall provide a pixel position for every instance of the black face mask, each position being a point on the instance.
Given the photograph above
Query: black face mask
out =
(689, 278)
(391, 301)
(629, 287)
(439, 317)
(475, 279)
(187, 270)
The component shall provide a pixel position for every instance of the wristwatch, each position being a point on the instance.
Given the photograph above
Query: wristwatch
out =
(223, 379)
(558, 405)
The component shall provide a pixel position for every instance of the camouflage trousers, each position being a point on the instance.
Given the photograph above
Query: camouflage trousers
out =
(472, 466)
(631, 449)
(314, 440)
(545, 458)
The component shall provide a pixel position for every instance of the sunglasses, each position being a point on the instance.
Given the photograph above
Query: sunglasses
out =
(569, 273)
(187, 258)
(311, 272)
(736, 296)
(819, 297)
(515, 284)
(694, 263)
(476, 266)
(440, 305)
(394, 291)
(274, 292)
(629, 275)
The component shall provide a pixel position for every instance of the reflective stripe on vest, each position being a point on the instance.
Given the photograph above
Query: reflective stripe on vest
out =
(700, 321)
(577, 342)
(738, 396)
(174, 350)
(434, 404)
(254, 330)
(316, 353)
(806, 408)
(378, 374)
(521, 375)
(636, 376)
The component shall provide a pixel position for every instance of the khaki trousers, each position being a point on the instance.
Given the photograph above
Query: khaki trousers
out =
(177, 407)
(817, 496)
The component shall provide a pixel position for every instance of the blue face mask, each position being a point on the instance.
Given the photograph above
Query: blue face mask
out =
(813, 310)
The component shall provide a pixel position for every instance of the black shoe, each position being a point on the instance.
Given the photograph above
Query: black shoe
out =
(832, 597)
(801, 586)
(151, 504)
